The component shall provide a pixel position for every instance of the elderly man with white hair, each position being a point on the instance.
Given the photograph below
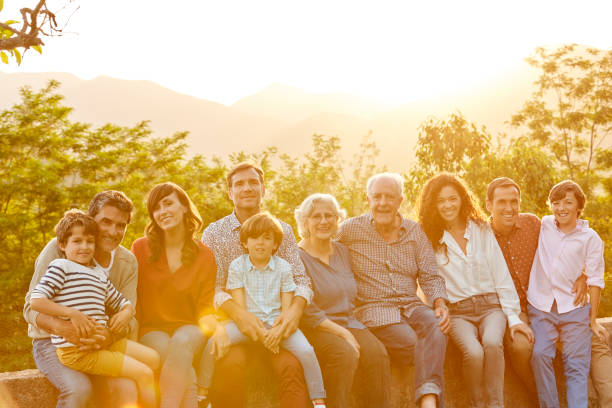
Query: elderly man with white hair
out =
(389, 253)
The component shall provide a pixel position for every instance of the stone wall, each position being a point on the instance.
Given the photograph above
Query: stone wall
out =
(30, 389)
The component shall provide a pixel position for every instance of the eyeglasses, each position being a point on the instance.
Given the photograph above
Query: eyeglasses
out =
(329, 217)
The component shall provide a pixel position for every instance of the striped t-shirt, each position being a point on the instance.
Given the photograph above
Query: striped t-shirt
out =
(86, 289)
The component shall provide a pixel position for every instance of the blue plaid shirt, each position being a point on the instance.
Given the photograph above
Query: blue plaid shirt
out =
(262, 286)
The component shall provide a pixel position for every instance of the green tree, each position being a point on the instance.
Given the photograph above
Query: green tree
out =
(570, 113)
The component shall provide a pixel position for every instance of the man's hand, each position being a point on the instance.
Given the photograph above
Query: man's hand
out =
(599, 331)
(220, 342)
(350, 339)
(441, 312)
(249, 324)
(522, 328)
(580, 289)
(287, 322)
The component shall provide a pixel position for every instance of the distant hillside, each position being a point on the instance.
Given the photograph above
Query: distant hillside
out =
(279, 115)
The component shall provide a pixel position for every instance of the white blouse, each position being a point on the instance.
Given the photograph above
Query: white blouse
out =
(482, 269)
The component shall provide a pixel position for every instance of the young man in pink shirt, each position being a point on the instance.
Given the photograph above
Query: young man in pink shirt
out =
(566, 247)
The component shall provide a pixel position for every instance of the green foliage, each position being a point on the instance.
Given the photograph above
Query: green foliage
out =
(570, 113)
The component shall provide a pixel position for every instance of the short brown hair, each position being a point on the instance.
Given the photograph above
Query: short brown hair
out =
(560, 189)
(113, 198)
(75, 218)
(261, 223)
(501, 182)
(244, 166)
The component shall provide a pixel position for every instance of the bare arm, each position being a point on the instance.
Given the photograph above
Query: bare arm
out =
(84, 325)
(239, 296)
(286, 300)
(596, 328)
(334, 328)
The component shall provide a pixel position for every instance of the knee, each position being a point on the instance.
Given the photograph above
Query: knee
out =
(153, 360)
(539, 356)
(474, 354)
(373, 354)
(520, 346)
(186, 339)
(492, 345)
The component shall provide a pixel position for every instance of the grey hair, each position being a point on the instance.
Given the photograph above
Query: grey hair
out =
(307, 206)
(395, 177)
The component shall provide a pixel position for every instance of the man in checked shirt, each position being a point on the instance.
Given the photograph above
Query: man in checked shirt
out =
(388, 254)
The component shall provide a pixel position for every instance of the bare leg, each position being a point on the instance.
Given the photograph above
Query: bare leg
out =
(143, 375)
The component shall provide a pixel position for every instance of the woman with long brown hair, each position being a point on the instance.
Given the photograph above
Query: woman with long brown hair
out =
(480, 290)
(176, 283)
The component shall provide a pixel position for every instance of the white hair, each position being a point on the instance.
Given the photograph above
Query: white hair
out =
(307, 206)
(395, 177)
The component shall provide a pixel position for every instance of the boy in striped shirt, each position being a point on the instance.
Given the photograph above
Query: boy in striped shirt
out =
(75, 289)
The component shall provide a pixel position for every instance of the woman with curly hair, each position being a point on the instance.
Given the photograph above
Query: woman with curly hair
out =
(176, 283)
(478, 284)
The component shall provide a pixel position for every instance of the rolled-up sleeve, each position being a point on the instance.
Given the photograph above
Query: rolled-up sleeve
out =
(431, 281)
(504, 285)
(594, 265)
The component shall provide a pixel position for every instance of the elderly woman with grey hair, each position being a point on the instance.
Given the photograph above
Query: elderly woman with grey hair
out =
(343, 345)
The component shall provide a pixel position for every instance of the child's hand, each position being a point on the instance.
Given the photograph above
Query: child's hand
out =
(120, 321)
(272, 339)
(83, 324)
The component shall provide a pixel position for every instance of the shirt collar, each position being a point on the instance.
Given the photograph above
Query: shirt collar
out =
(268, 267)
(446, 236)
(517, 225)
(581, 225)
(372, 223)
(233, 221)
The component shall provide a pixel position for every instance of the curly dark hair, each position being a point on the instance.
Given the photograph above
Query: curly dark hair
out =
(192, 220)
(429, 216)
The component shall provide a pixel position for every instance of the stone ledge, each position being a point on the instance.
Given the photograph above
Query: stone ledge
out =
(30, 389)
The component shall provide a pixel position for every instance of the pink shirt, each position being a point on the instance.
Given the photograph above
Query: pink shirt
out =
(559, 261)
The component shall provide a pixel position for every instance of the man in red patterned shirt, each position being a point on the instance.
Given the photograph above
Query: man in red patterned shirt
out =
(517, 234)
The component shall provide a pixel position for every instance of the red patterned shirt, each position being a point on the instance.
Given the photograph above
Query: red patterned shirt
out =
(519, 248)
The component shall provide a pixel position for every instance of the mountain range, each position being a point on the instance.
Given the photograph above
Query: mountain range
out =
(279, 115)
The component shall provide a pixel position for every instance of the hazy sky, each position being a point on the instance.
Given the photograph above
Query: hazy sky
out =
(394, 51)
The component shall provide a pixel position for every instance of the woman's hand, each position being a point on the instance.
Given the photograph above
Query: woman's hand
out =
(83, 324)
(350, 339)
(220, 342)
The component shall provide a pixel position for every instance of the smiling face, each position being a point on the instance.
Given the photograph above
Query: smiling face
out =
(322, 223)
(112, 224)
(169, 212)
(385, 200)
(504, 208)
(246, 190)
(448, 204)
(261, 248)
(79, 247)
(566, 211)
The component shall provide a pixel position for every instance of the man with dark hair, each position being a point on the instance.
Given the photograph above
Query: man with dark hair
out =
(517, 234)
(112, 212)
(246, 189)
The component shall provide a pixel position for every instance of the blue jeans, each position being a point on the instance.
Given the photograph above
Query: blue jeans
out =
(177, 376)
(417, 340)
(76, 388)
(573, 329)
(297, 344)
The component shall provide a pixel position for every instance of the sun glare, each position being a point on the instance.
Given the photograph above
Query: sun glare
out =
(392, 52)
